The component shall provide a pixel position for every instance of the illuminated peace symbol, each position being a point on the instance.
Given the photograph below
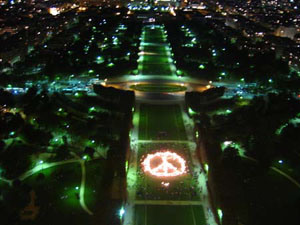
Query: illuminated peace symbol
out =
(164, 164)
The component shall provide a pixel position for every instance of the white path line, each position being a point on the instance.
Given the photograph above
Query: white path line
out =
(82, 188)
(276, 170)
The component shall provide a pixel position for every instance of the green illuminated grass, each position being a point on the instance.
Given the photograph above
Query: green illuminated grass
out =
(155, 119)
(158, 88)
(169, 215)
(155, 49)
(156, 69)
(154, 38)
(155, 59)
(154, 35)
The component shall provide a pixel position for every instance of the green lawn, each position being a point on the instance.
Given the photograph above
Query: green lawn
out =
(158, 32)
(154, 35)
(156, 69)
(155, 39)
(169, 215)
(155, 59)
(161, 122)
(155, 49)
(158, 88)
(155, 64)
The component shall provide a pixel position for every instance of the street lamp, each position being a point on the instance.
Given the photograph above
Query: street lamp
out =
(121, 212)
(220, 214)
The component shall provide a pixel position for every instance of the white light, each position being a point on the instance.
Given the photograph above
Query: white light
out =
(122, 212)
(226, 143)
(54, 11)
(166, 167)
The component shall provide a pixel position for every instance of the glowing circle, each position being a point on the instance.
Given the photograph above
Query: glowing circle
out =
(164, 164)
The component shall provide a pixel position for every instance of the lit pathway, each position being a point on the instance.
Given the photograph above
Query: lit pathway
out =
(276, 170)
(82, 187)
(160, 42)
(43, 166)
(9, 182)
(197, 169)
(131, 174)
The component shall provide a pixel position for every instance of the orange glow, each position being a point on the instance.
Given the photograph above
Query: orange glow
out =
(164, 164)
(54, 11)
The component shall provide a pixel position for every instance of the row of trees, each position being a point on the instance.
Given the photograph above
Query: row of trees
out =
(214, 57)
(267, 131)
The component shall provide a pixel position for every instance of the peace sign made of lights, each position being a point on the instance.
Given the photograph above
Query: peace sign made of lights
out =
(165, 168)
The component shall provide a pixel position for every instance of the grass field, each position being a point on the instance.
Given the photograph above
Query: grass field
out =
(169, 215)
(156, 59)
(161, 122)
(156, 69)
(159, 62)
(155, 49)
(154, 38)
(181, 188)
(158, 87)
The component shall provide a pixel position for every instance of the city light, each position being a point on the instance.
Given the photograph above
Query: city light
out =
(206, 167)
(220, 214)
(191, 112)
(54, 11)
(122, 212)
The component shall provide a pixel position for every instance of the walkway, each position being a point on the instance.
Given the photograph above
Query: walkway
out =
(45, 165)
